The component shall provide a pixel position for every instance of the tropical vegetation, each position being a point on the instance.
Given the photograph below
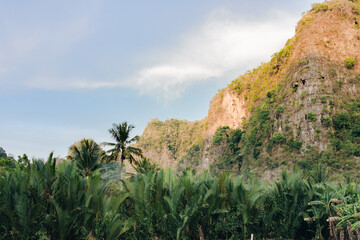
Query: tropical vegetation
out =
(122, 149)
(45, 200)
(86, 197)
(87, 154)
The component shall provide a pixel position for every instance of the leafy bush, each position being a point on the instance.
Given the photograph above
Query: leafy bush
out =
(6, 164)
(341, 121)
(278, 138)
(340, 83)
(337, 144)
(258, 129)
(350, 62)
(311, 116)
(356, 130)
(235, 139)
(295, 145)
(279, 110)
(317, 7)
(323, 99)
(305, 164)
(326, 122)
(280, 56)
(273, 165)
(194, 153)
(270, 94)
(220, 134)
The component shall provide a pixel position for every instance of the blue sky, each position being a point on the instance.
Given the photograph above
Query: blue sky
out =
(69, 69)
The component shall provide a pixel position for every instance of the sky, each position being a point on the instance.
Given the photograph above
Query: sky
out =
(70, 69)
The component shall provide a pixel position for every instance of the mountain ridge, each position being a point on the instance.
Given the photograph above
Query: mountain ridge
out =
(286, 108)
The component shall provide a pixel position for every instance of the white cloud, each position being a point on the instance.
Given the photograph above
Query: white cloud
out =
(223, 46)
(171, 79)
(69, 83)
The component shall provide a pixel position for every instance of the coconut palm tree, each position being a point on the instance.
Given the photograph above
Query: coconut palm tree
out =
(87, 154)
(122, 150)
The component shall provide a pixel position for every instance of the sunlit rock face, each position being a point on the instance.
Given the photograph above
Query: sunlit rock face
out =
(226, 109)
(302, 88)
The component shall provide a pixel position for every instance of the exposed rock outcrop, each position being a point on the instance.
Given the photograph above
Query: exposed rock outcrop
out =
(287, 107)
(227, 108)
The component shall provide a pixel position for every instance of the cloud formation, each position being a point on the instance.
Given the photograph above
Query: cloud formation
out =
(224, 46)
(221, 48)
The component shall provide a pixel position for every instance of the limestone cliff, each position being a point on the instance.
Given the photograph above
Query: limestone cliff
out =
(227, 108)
(301, 108)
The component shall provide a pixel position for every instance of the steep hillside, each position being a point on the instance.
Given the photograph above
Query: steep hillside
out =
(167, 142)
(301, 108)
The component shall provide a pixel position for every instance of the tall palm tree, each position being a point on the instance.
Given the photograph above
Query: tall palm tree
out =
(122, 150)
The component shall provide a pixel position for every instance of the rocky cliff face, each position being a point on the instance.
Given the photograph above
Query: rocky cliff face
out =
(175, 142)
(317, 84)
(227, 108)
(298, 109)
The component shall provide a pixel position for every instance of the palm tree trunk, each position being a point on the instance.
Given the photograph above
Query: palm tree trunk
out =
(121, 168)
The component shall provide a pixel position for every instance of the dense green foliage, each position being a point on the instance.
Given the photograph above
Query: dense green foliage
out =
(193, 154)
(228, 141)
(45, 201)
(8, 163)
(5, 164)
(2, 153)
(258, 128)
(87, 154)
(350, 62)
(345, 139)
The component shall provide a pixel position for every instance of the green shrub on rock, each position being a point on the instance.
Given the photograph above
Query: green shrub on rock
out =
(278, 138)
(350, 62)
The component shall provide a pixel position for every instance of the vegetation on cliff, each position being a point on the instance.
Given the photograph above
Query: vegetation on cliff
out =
(171, 140)
(292, 105)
